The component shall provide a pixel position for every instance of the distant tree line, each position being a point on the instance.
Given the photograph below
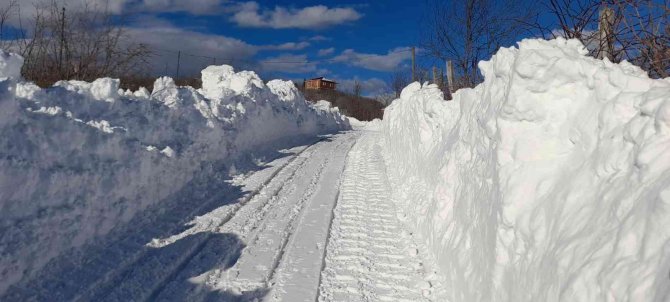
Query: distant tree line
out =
(349, 103)
(57, 44)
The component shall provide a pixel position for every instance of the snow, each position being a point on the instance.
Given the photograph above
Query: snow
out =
(369, 257)
(104, 89)
(81, 159)
(48, 110)
(10, 65)
(549, 181)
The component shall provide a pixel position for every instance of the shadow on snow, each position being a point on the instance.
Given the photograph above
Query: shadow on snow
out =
(121, 267)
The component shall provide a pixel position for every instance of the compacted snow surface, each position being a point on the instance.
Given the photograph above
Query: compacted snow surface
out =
(550, 181)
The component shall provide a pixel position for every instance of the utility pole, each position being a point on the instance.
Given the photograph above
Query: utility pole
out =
(450, 76)
(413, 64)
(62, 43)
(178, 61)
(606, 19)
(435, 76)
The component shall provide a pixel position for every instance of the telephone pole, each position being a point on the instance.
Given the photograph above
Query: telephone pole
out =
(413, 64)
(62, 43)
(606, 19)
(450, 76)
(178, 61)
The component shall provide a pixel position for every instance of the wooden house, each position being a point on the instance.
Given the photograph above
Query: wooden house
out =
(320, 83)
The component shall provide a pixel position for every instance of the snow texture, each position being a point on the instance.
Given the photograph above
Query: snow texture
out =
(550, 181)
(80, 159)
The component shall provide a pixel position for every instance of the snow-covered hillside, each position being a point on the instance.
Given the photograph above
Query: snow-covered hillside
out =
(549, 181)
(79, 159)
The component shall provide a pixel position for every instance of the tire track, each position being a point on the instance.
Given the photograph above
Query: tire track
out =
(292, 224)
(368, 258)
(253, 225)
(279, 211)
(330, 224)
(107, 284)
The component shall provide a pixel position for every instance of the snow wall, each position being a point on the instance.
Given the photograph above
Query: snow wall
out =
(79, 159)
(550, 181)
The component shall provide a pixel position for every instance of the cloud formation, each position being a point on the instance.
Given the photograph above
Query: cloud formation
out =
(195, 7)
(387, 62)
(198, 50)
(288, 63)
(286, 46)
(319, 38)
(326, 52)
(369, 87)
(250, 14)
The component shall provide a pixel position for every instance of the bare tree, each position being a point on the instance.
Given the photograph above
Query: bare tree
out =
(639, 30)
(357, 89)
(398, 80)
(467, 31)
(642, 34)
(84, 44)
(6, 11)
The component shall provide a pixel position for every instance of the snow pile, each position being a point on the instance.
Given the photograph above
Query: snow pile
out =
(79, 159)
(549, 181)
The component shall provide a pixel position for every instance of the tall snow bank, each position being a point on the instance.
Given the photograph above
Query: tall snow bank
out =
(550, 181)
(79, 159)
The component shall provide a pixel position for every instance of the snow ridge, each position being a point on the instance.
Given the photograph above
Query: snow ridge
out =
(550, 181)
(80, 159)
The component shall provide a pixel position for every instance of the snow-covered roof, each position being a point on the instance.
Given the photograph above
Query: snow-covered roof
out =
(323, 79)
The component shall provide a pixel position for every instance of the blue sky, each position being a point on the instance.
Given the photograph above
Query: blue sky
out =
(344, 40)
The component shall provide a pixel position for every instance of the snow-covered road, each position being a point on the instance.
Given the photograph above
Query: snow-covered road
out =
(317, 224)
(369, 256)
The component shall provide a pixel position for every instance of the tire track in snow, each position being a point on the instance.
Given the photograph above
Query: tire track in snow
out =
(267, 243)
(330, 226)
(102, 289)
(294, 277)
(267, 228)
(368, 257)
(330, 210)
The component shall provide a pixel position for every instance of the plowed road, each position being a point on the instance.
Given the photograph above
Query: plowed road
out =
(318, 224)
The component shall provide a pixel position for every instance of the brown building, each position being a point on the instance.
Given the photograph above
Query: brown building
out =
(320, 83)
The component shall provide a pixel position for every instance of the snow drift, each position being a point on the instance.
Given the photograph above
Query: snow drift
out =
(79, 159)
(550, 181)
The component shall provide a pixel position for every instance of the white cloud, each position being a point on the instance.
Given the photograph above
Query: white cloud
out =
(387, 62)
(198, 49)
(319, 38)
(288, 63)
(286, 46)
(326, 51)
(250, 14)
(195, 7)
(369, 87)
(323, 72)
(118, 7)
(29, 8)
